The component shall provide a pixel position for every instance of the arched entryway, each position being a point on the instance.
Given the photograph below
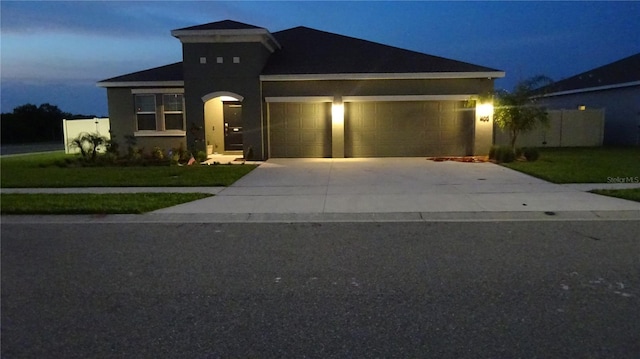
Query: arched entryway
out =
(223, 122)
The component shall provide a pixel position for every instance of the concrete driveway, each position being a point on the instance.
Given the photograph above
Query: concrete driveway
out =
(394, 185)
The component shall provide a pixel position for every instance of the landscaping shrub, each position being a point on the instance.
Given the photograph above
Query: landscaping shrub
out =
(492, 152)
(519, 151)
(89, 145)
(530, 153)
(157, 153)
(179, 154)
(201, 156)
(504, 154)
(134, 153)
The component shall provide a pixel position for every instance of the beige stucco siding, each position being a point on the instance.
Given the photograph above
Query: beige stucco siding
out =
(377, 87)
(121, 112)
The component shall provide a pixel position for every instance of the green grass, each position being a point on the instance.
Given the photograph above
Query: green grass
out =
(632, 194)
(40, 171)
(583, 165)
(77, 203)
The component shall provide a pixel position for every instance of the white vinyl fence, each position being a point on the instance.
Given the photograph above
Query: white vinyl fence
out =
(567, 128)
(73, 129)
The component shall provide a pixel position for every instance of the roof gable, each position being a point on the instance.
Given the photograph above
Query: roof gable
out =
(309, 51)
(623, 71)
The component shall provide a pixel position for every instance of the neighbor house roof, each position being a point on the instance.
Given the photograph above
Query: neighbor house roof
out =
(312, 52)
(621, 73)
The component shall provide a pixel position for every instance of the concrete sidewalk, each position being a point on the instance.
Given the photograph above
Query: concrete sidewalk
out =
(212, 190)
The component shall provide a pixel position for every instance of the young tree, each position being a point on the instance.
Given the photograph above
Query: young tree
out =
(517, 112)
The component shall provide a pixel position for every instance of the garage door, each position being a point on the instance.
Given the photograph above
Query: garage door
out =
(399, 129)
(300, 129)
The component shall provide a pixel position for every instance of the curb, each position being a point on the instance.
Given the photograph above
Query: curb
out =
(329, 217)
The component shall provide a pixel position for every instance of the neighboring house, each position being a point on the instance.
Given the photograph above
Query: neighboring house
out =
(614, 87)
(302, 93)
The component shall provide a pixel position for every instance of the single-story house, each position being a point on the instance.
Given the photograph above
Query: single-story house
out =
(615, 87)
(303, 92)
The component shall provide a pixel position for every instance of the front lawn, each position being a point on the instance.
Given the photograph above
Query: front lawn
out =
(82, 203)
(584, 165)
(42, 170)
(632, 194)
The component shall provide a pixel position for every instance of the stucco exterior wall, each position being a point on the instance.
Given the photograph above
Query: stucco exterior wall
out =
(622, 111)
(482, 135)
(376, 87)
(214, 125)
(240, 78)
(121, 112)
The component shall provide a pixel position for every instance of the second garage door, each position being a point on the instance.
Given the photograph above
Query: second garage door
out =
(405, 129)
(300, 129)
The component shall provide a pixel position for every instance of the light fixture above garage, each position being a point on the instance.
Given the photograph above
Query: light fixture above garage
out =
(337, 110)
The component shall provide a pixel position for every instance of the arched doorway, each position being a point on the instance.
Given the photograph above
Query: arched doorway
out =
(223, 122)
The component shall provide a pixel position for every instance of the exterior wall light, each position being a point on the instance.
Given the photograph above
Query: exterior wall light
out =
(484, 111)
(337, 111)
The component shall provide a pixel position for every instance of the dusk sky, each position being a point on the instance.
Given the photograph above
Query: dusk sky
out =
(56, 51)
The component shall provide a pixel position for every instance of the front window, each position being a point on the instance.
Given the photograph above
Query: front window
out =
(146, 112)
(173, 111)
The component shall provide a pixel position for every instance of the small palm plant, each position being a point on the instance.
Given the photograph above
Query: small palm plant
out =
(88, 144)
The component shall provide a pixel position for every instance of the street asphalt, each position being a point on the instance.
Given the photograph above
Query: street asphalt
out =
(528, 289)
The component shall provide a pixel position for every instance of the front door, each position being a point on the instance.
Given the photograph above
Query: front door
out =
(232, 112)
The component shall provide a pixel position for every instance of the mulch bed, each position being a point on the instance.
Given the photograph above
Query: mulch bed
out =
(472, 159)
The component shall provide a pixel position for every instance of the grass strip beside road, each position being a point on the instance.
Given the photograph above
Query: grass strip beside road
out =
(584, 165)
(83, 203)
(41, 171)
(632, 194)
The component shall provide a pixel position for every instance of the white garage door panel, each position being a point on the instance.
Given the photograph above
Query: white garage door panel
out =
(300, 129)
(428, 128)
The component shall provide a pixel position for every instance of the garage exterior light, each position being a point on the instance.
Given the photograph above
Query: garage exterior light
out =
(484, 111)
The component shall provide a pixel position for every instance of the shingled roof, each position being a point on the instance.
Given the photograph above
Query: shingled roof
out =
(620, 72)
(306, 51)
(310, 51)
(172, 72)
(221, 25)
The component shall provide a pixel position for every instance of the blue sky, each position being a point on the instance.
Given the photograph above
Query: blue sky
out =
(56, 51)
